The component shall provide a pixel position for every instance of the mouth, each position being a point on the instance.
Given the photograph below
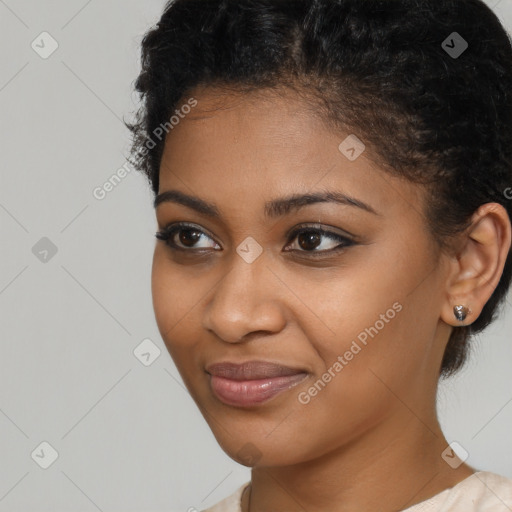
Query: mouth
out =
(251, 383)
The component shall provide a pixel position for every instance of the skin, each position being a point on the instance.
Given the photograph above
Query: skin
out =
(370, 439)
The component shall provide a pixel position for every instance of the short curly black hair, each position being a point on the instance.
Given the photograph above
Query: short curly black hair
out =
(384, 69)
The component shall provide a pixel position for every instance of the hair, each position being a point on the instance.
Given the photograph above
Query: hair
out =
(377, 68)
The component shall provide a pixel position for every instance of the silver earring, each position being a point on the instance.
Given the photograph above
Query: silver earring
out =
(461, 312)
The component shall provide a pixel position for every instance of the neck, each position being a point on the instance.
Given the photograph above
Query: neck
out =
(380, 470)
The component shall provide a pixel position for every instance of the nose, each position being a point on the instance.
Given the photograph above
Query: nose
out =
(247, 300)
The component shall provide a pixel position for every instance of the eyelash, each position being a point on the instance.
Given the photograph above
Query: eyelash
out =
(167, 234)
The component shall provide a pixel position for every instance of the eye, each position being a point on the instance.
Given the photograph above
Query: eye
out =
(189, 235)
(184, 237)
(309, 240)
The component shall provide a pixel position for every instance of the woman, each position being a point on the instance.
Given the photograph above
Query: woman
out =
(332, 186)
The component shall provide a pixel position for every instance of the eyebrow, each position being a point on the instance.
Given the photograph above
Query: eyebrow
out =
(274, 208)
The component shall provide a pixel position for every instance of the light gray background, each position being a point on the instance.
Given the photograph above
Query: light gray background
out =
(128, 436)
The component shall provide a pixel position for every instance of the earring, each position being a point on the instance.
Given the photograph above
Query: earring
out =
(461, 312)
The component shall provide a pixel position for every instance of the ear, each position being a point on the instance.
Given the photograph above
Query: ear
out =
(478, 262)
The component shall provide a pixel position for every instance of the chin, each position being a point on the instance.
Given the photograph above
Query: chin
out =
(257, 450)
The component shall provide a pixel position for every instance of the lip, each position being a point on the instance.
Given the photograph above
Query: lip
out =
(252, 382)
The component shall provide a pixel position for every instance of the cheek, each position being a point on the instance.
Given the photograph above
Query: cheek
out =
(163, 291)
(368, 315)
(177, 304)
(173, 300)
(358, 332)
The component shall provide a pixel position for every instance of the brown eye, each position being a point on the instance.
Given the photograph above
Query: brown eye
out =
(313, 241)
(309, 240)
(318, 241)
(188, 237)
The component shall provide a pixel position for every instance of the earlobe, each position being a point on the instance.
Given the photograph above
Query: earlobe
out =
(461, 312)
(478, 265)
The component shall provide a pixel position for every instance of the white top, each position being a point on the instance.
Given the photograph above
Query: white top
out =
(482, 491)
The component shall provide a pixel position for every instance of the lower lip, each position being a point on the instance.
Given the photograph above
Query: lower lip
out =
(246, 393)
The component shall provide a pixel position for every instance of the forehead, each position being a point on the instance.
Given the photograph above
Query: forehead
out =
(267, 116)
(270, 143)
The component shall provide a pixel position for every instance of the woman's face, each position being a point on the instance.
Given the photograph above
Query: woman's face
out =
(353, 313)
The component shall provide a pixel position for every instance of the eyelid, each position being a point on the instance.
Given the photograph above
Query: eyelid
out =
(323, 227)
(344, 241)
(184, 224)
(168, 231)
(344, 238)
(291, 231)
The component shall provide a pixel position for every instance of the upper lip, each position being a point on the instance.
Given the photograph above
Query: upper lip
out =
(251, 370)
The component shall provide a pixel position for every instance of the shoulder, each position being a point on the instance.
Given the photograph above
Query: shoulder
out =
(482, 491)
(230, 504)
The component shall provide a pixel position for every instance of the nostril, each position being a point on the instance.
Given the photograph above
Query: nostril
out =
(247, 337)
